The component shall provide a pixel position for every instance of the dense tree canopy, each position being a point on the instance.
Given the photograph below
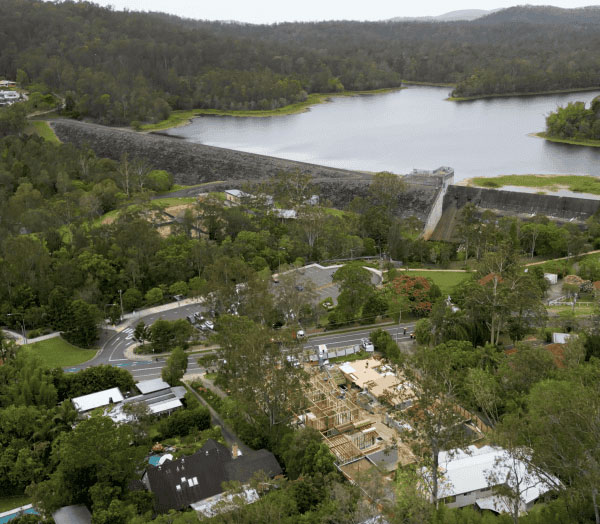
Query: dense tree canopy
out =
(127, 67)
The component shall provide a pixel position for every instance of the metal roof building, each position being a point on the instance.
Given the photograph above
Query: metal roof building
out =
(150, 386)
(469, 477)
(97, 400)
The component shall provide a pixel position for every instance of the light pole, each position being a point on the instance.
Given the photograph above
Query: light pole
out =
(22, 324)
(121, 300)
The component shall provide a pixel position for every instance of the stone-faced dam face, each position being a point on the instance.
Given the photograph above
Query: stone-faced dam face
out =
(192, 164)
(428, 196)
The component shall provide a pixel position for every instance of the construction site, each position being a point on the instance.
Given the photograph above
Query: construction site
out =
(354, 406)
(352, 424)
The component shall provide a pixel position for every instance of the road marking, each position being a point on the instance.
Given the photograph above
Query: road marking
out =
(118, 359)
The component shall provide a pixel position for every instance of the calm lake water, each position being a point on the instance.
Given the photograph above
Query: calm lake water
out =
(412, 128)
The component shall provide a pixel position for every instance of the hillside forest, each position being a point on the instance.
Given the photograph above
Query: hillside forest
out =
(123, 67)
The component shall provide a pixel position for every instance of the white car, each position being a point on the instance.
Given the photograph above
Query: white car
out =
(300, 334)
(367, 345)
(208, 324)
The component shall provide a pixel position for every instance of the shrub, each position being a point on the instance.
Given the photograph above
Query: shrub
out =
(184, 422)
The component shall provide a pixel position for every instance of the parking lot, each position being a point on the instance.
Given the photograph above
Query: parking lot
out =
(322, 278)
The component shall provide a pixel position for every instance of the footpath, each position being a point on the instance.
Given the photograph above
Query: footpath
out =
(228, 434)
(130, 318)
(20, 340)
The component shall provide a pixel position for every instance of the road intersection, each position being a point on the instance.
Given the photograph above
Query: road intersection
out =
(113, 350)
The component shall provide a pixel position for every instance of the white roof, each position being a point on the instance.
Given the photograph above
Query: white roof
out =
(236, 193)
(464, 472)
(97, 400)
(149, 386)
(561, 338)
(167, 405)
(285, 213)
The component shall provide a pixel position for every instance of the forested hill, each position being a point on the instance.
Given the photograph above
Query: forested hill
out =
(544, 15)
(119, 67)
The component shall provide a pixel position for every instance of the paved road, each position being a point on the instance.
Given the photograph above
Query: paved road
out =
(113, 349)
(340, 340)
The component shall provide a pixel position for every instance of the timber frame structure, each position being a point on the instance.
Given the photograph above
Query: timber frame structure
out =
(337, 418)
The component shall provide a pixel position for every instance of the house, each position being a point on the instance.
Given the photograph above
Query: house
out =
(196, 480)
(469, 477)
(235, 196)
(552, 278)
(160, 398)
(12, 96)
(78, 514)
(7, 83)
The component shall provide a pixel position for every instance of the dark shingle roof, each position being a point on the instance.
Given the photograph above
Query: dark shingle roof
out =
(179, 483)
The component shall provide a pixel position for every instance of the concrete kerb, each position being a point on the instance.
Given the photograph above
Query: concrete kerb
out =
(130, 355)
(130, 318)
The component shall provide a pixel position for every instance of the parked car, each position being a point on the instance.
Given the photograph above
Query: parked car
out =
(300, 334)
(367, 345)
(208, 324)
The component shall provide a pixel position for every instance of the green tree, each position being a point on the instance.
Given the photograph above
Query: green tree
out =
(257, 370)
(132, 299)
(175, 367)
(560, 427)
(154, 296)
(96, 453)
(304, 453)
(355, 289)
(83, 324)
(431, 388)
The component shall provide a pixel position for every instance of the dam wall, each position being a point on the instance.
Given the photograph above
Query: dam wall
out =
(524, 205)
(192, 164)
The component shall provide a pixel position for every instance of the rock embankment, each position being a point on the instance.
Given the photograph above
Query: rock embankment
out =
(197, 163)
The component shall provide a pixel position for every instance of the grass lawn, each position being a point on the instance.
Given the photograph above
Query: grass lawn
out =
(445, 280)
(57, 352)
(43, 129)
(581, 309)
(578, 183)
(173, 201)
(574, 142)
(14, 501)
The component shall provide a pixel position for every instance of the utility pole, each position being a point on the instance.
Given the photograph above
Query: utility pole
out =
(121, 300)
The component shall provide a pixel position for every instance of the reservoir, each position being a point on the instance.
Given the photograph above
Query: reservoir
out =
(411, 128)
